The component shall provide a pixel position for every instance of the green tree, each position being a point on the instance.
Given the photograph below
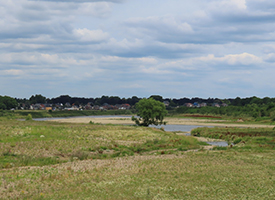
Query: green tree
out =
(7, 102)
(38, 98)
(133, 100)
(272, 116)
(150, 111)
(3, 106)
(157, 97)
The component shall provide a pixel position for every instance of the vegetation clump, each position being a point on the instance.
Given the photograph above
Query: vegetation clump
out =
(150, 112)
(257, 137)
(29, 117)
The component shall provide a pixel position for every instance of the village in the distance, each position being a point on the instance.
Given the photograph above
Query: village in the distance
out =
(65, 102)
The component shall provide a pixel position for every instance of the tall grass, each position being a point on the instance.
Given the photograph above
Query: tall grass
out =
(52, 142)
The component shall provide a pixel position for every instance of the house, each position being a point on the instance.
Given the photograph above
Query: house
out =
(166, 103)
(75, 107)
(67, 104)
(106, 106)
(216, 105)
(189, 105)
(124, 107)
(203, 105)
(196, 104)
(57, 106)
(88, 106)
(36, 106)
(101, 108)
(48, 107)
(96, 107)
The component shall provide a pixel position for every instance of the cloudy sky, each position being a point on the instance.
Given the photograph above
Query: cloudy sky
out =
(173, 48)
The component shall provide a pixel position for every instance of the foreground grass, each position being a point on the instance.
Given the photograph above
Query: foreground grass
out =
(194, 175)
(48, 160)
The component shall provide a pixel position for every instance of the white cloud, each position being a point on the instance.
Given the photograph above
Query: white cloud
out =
(240, 4)
(86, 35)
(82, 1)
(157, 26)
(117, 59)
(233, 59)
(148, 60)
(99, 9)
(270, 57)
(228, 5)
(154, 70)
(12, 72)
(37, 61)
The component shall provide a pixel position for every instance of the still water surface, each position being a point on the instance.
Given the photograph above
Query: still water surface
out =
(183, 128)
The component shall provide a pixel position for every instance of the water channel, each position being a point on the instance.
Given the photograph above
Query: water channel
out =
(169, 127)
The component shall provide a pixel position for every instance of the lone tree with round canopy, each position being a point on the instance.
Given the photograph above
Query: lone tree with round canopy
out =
(150, 111)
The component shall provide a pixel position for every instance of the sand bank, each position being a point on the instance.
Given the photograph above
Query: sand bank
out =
(174, 121)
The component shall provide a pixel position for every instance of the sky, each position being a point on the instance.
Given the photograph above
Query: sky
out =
(125, 48)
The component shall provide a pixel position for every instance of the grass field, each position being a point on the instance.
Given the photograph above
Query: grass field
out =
(50, 160)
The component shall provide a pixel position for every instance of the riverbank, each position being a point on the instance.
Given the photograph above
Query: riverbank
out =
(172, 121)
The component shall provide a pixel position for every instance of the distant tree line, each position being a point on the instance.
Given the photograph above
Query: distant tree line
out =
(112, 100)
(250, 106)
(239, 107)
(248, 110)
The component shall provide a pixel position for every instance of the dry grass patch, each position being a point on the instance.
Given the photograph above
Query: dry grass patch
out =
(200, 175)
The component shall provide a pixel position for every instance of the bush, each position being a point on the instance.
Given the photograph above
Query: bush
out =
(237, 140)
(81, 155)
(196, 132)
(3, 106)
(29, 117)
(219, 148)
(272, 116)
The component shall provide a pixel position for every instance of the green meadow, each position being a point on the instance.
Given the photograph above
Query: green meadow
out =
(50, 160)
